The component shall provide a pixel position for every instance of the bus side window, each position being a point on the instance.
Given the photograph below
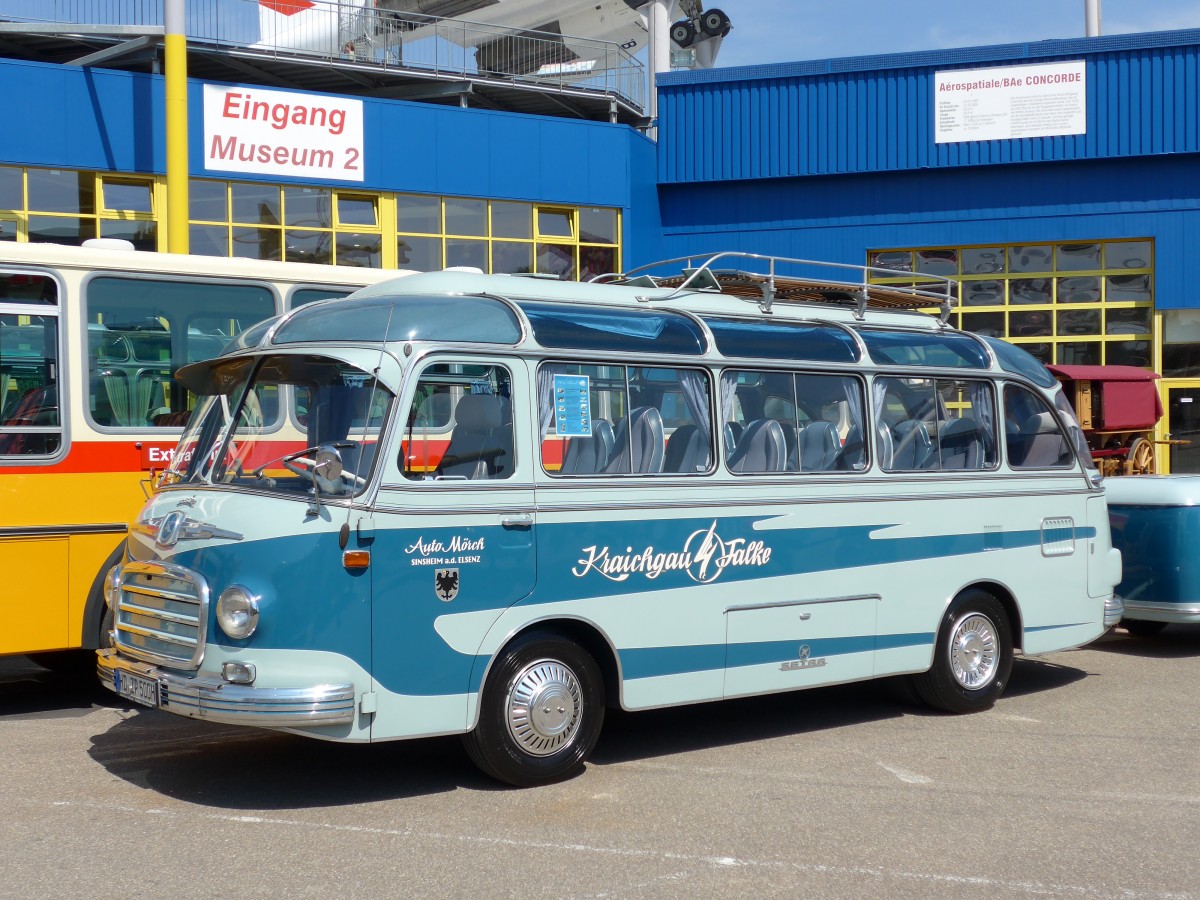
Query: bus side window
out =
(459, 426)
(1033, 439)
(29, 397)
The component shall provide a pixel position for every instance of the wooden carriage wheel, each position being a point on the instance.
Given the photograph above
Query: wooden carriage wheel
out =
(1140, 460)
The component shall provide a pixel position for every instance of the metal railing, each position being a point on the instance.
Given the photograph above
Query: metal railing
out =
(345, 31)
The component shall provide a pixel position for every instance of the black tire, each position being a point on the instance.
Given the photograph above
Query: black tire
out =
(683, 34)
(552, 745)
(973, 656)
(714, 23)
(1142, 627)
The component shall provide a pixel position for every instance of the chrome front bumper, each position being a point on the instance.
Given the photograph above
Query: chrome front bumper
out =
(201, 697)
(1114, 610)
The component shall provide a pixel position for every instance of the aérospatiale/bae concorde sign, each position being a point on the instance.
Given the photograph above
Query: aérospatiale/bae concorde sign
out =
(267, 132)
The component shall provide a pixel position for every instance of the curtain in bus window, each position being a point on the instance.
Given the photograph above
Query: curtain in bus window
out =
(29, 411)
(695, 395)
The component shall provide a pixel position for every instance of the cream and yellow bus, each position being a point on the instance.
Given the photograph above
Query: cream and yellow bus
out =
(90, 338)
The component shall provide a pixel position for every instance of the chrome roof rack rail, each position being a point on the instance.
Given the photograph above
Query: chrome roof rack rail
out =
(767, 288)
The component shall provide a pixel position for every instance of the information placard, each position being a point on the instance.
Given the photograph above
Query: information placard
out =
(1012, 102)
(572, 405)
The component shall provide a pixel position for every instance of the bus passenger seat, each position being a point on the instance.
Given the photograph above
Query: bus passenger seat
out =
(913, 448)
(1043, 443)
(477, 446)
(588, 454)
(686, 451)
(818, 444)
(960, 445)
(853, 454)
(761, 448)
(638, 443)
(731, 432)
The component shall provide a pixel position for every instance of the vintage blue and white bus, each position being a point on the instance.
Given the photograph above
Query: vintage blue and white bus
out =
(496, 505)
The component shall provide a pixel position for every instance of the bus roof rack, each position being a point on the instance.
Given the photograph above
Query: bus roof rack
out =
(765, 288)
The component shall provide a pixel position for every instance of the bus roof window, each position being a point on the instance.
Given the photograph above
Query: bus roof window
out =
(783, 340)
(479, 320)
(572, 327)
(924, 348)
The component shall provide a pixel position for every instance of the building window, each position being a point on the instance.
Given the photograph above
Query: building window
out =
(1069, 302)
(315, 224)
(502, 236)
(64, 206)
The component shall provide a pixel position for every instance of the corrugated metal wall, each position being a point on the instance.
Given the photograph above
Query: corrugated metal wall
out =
(875, 114)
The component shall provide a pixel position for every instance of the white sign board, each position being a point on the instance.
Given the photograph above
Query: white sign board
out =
(1012, 102)
(266, 132)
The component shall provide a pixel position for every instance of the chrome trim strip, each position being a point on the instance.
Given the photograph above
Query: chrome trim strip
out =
(55, 530)
(1114, 611)
(199, 621)
(1172, 608)
(785, 603)
(170, 595)
(214, 700)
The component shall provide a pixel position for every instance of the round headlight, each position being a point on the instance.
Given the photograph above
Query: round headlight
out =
(111, 580)
(237, 612)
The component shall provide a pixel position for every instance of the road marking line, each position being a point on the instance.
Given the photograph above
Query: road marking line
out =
(904, 775)
(723, 861)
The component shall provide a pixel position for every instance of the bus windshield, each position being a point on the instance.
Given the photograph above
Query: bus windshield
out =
(284, 423)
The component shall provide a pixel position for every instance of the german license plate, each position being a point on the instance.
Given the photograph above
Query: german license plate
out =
(137, 688)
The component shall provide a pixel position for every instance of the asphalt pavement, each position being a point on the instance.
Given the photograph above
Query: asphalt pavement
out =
(1084, 781)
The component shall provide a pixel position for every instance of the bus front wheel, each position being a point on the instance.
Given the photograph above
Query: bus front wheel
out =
(541, 712)
(973, 656)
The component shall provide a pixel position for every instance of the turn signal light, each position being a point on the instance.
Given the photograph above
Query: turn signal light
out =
(356, 559)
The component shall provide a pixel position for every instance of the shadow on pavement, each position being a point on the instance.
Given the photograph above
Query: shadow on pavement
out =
(30, 691)
(234, 768)
(1032, 676)
(1173, 642)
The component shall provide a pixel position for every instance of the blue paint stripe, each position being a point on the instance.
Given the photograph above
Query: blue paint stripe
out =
(653, 662)
(1053, 627)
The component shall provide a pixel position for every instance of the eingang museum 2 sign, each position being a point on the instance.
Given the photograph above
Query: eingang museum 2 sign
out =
(267, 132)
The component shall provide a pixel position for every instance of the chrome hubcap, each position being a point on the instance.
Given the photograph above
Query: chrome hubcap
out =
(973, 657)
(543, 707)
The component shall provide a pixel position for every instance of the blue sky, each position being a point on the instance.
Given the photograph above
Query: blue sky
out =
(770, 31)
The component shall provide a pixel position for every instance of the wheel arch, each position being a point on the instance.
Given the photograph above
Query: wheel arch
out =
(1007, 601)
(583, 632)
(94, 609)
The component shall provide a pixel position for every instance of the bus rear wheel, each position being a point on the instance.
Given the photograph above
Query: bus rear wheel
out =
(1142, 627)
(541, 712)
(972, 658)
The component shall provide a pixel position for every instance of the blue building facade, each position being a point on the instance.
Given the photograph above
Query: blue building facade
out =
(1078, 246)
(1068, 222)
(439, 185)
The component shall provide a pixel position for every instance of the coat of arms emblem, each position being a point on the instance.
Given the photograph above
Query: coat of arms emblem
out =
(445, 584)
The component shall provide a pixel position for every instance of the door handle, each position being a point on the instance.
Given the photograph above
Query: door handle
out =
(804, 617)
(517, 520)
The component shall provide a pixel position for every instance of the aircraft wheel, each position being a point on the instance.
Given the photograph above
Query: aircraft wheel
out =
(714, 23)
(683, 34)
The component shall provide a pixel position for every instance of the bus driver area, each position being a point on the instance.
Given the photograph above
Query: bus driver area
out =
(494, 506)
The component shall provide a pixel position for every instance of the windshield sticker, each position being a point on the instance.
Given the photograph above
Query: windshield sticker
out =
(705, 555)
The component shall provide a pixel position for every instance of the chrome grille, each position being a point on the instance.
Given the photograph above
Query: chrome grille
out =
(161, 614)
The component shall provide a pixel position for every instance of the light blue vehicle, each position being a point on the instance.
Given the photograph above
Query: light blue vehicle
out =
(1155, 520)
(495, 505)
